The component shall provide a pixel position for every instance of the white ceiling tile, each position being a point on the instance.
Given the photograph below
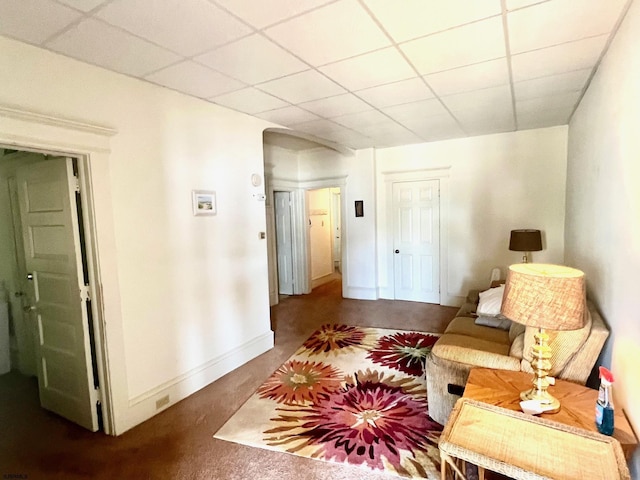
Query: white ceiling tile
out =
(475, 120)
(435, 126)
(417, 18)
(384, 129)
(396, 93)
(559, 59)
(362, 119)
(261, 14)
(340, 30)
(101, 44)
(540, 104)
(320, 127)
(252, 59)
(194, 79)
(302, 87)
(560, 21)
(457, 47)
(544, 118)
(288, 115)
(551, 85)
(349, 138)
(83, 5)
(471, 77)
(336, 106)
(421, 109)
(487, 98)
(392, 139)
(516, 4)
(188, 27)
(34, 21)
(370, 70)
(249, 100)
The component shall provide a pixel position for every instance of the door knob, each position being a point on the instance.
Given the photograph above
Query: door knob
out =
(29, 308)
(29, 276)
(397, 251)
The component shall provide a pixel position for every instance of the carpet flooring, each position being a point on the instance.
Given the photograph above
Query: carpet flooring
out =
(178, 443)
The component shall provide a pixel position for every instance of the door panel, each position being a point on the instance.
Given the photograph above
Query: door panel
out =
(284, 242)
(416, 241)
(46, 194)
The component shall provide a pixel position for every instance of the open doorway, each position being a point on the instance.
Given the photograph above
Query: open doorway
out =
(53, 329)
(325, 249)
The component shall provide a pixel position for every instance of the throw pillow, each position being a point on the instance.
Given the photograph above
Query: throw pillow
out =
(496, 322)
(490, 302)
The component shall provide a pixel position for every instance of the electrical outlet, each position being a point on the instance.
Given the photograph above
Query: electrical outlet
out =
(161, 402)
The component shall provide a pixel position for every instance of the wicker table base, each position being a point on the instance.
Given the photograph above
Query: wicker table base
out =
(526, 447)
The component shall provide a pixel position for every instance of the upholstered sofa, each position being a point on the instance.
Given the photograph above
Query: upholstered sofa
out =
(466, 344)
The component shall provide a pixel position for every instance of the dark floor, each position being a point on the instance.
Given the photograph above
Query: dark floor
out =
(178, 443)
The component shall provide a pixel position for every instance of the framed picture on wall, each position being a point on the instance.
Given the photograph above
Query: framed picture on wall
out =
(204, 202)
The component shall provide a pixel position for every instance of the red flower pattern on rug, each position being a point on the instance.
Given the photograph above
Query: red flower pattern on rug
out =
(405, 351)
(333, 338)
(298, 382)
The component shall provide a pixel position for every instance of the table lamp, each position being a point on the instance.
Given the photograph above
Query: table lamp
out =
(525, 240)
(545, 297)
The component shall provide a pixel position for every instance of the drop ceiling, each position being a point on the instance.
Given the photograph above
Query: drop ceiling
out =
(360, 73)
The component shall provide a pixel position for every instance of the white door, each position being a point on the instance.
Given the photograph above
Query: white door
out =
(284, 242)
(58, 298)
(416, 246)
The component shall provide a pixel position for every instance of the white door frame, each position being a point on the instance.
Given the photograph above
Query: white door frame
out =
(35, 132)
(441, 174)
(300, 221)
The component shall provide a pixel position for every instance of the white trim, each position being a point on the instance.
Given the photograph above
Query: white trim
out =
(359, 293)
(441, 174)
(33, 131)
(43, 119)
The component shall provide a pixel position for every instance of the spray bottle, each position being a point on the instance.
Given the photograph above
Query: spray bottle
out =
(604, 405)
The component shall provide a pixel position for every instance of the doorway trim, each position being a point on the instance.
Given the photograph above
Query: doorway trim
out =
(45, 134)
(387, 287)
(299, 222)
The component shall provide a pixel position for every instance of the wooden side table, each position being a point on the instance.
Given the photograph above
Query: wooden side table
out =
(577, 403)
(525, 447)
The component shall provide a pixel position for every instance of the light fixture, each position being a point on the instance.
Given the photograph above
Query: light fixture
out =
(525, 240)
(544, 296)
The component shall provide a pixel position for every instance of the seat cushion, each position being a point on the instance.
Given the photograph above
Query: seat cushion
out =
(475, 351)
(467, 326)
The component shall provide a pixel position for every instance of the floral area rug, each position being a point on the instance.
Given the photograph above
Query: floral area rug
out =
(351, 395)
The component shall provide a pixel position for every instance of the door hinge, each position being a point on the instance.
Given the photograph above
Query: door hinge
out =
(77, 184)
(85, 295)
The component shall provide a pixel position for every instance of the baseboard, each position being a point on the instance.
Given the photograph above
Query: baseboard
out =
(360, 293)
(154, 401)
(448, 300)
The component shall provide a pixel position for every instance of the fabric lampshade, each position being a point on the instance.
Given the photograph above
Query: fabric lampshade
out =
(545, 296)
(525, 240)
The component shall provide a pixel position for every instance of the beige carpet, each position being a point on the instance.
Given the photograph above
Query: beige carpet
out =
(350, 395)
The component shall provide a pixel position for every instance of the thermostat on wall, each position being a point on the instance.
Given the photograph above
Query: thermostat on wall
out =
(256, 180)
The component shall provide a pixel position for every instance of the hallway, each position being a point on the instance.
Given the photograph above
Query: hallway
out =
(178, 443)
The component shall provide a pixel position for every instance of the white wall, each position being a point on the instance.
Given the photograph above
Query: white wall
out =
(603, 206)
(496, 183)
(188, 298)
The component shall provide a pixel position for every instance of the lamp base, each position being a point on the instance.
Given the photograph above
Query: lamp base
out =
(548, 403)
